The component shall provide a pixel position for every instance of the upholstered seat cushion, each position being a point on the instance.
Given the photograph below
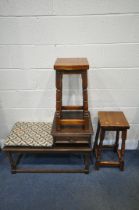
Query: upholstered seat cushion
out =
(34, 134)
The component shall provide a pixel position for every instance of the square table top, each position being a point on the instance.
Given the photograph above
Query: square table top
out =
(71, 64)
(113, 119)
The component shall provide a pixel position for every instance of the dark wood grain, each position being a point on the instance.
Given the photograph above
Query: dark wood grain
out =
(113, 120)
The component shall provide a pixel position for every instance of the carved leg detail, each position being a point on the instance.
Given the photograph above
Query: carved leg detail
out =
(85, 97)
(58, 97)
(124, 136)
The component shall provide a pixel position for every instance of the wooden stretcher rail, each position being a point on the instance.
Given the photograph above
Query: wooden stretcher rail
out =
(72, 107)
(72, 122)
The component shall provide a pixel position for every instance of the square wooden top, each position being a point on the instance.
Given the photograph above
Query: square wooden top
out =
(113, 119)
(71, 64)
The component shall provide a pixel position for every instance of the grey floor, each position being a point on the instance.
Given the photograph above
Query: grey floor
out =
(106, 189)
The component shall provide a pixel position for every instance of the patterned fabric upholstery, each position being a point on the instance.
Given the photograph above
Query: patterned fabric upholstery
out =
(35, 134)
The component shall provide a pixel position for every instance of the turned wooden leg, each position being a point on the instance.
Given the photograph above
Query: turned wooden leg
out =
(85, 97)
(96, 138)
(124, 135)
(116, 141)
(99, 148)
(102, 136)
(58, 98)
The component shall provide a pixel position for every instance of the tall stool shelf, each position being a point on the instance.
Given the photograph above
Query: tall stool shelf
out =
(111, 121)
(72, 127)
(71, 66)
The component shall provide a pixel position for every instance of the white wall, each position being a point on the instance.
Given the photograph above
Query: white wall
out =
(34, 33)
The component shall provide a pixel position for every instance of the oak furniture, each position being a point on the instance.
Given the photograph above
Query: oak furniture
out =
(28, 137)
(74, 135)
(72, 126)
(111, 121)
(74, 139)
(71, 66)
(43, 138)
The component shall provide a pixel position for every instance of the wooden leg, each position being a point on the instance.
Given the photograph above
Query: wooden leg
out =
(58, 98)
(85, 98)
(102, 135)
(91, 157)
(15, 169)
(124, 135)
(96, 137)
(86, 162)
(12, 163)
(116, 142)
(99, 148)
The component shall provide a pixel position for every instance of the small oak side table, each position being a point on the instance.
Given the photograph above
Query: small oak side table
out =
(71, 66)
(111, 121)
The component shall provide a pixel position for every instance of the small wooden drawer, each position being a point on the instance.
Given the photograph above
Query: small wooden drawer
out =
(71, 140)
